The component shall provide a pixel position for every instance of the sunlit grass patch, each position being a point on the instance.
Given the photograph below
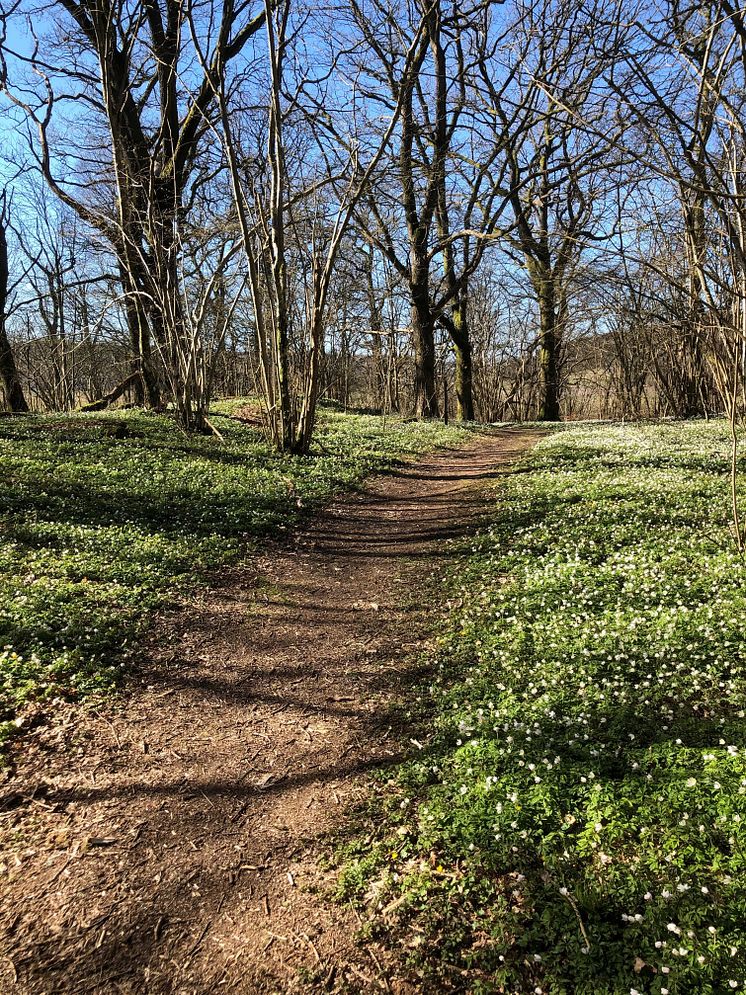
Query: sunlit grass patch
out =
(577, 822)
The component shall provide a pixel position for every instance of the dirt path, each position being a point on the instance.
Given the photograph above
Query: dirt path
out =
(166, 845)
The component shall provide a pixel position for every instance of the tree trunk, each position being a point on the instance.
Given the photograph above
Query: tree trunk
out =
(9, 374)
(694, 374)
(423, 339)
(8, 370)
(548, 349)
(147, 390)
(307, 420)
(464, 374)
(378, 373)
(101, 403)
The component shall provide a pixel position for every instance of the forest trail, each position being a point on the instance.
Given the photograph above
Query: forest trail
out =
(165, 844)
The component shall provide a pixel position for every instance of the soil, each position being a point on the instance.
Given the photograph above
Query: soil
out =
(168, 841)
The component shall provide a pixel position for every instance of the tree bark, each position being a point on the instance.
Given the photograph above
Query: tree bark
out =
(147, 390)
(8, 369)
(378, 373)
(549, 409)
(464, 374)
(423, 339)
(693, 371)
(9, 373)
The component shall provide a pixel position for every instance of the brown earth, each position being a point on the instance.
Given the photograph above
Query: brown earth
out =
(168, 842)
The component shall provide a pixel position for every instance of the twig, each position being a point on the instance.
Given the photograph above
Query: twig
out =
(214, 430)
(113, 730)
(305, 938)
(575, 909)
(13, 968)
(379, 968)
(197, 945)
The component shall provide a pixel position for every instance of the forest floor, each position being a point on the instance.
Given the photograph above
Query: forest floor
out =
(166, 841)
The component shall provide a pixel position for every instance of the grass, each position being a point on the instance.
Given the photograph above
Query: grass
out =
(576, 819)
(98, 531)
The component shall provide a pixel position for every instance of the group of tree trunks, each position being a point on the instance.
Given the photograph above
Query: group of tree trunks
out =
(247, 153)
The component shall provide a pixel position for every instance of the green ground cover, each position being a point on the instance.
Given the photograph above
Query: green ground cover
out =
(97, 531)
(575, 821)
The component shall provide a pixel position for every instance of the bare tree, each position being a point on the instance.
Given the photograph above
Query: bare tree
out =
(686, 88)
(558, 166)
(419, 160)
(319, 204)
(131, 71)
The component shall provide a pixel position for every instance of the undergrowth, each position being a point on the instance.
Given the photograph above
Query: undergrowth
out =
(104, 518)
(576, 820)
